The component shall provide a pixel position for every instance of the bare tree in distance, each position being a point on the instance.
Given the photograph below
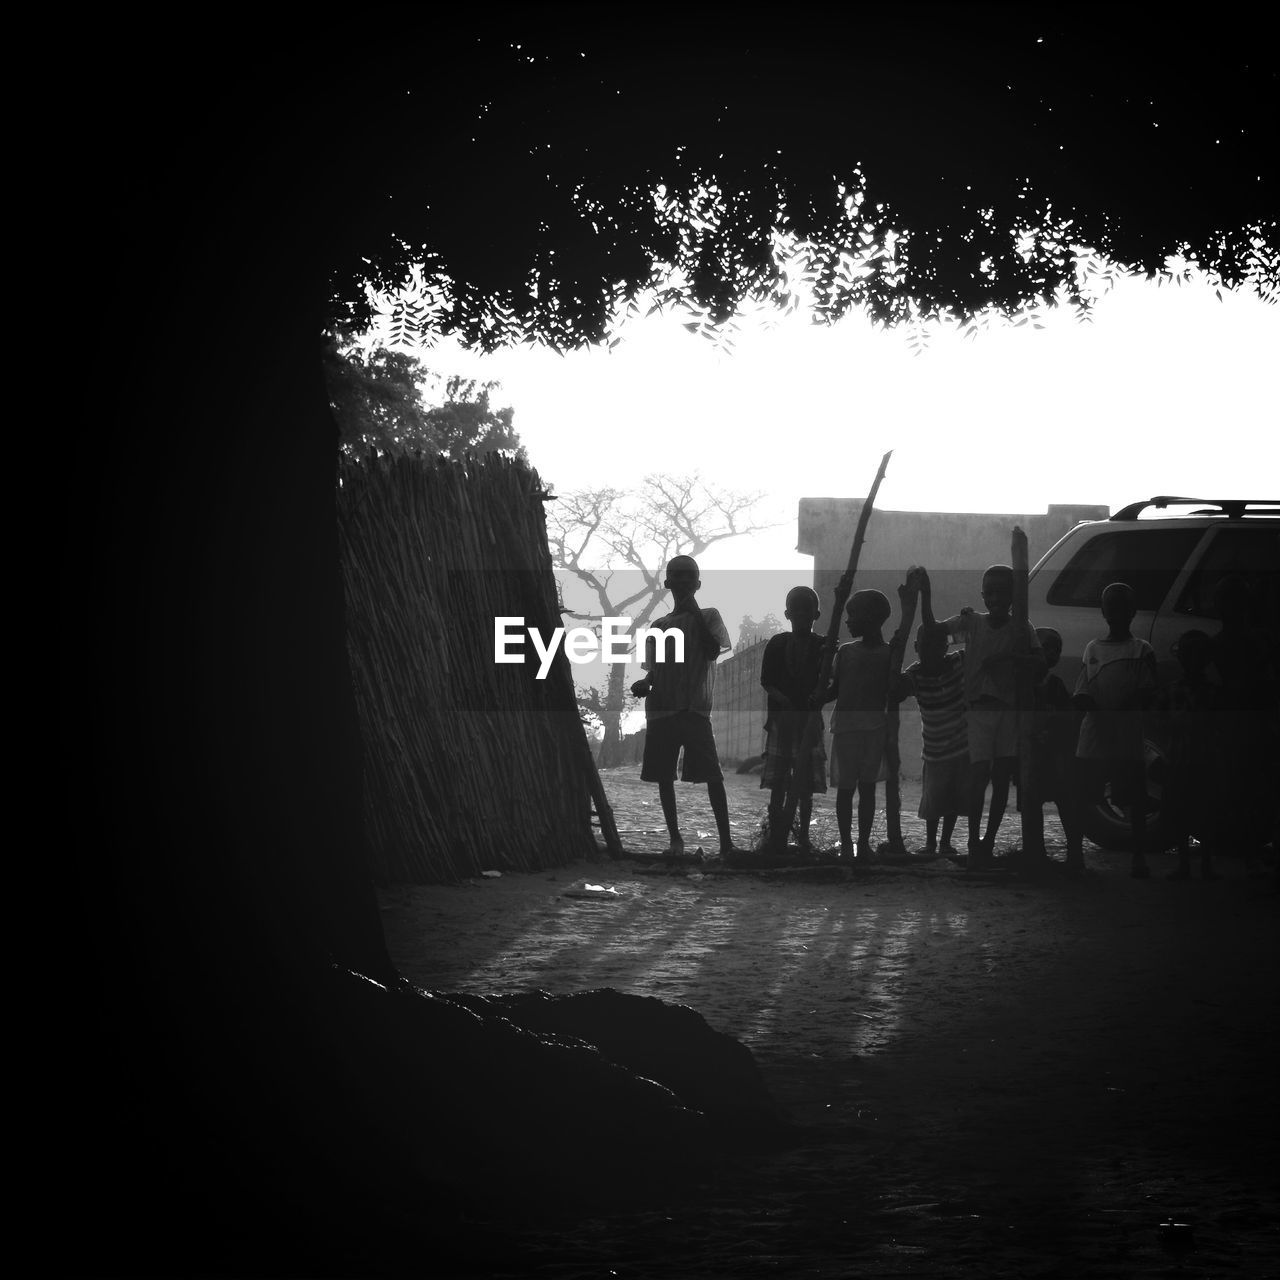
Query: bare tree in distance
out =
(638, 531)
(752, 632)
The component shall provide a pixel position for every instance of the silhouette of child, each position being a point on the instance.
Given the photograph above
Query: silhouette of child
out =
(1190, 711)
(991, 661)
(936, 681)
(677, 704)
(789, 671)
(860, 688)
(1117, 681)
(1053, 743)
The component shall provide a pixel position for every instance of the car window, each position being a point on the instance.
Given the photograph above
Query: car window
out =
(1148, 559)
(1253, 554)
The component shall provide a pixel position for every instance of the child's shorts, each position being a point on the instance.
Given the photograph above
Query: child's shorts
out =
(857, 754)
(663, 739)
(993, 731)
(944, 788)
(779, 755)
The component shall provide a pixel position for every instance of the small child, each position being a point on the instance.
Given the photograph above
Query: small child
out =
(860, 687)
(789, 671)
(1190, 710)
(936, 681)
(1053, 741)
(991, 659)
(1117, 681)
(677, 705)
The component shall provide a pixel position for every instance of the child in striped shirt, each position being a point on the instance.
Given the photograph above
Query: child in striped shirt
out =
(936, 682)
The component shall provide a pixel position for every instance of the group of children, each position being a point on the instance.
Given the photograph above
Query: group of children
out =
(969, 704)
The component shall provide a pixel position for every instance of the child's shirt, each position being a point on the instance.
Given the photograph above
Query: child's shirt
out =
(940, 698)
(982, 641)
(1116, 674)
(862, 681)
(792, 662)
(687, 685)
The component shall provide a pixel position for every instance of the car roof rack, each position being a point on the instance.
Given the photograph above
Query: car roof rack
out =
(1232, 508)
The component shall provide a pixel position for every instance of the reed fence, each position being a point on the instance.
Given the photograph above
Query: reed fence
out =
(470, 765)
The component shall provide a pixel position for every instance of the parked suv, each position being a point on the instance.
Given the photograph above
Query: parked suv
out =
(1173, 552)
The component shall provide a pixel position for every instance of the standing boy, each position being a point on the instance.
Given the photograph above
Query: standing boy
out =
(789, 671)
(860, 688)
(1117, 681)
(1053, 744)
(991, 660)
(677, 706)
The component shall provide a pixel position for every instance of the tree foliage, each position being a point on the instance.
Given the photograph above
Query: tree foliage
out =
(377, 399)
(752, 632)
(953, 158)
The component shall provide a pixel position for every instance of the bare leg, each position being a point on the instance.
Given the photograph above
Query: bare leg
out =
(866, 815)
(806, 814)
(948, 829)
(667, 794)
(979, 776)
(844, 819)
(777, 808)
(1001, 772)
(931, 838)
(720, 807)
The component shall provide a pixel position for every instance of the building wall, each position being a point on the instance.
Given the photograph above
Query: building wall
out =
(738, 705)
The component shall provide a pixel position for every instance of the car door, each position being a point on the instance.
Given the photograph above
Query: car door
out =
(1250, 551)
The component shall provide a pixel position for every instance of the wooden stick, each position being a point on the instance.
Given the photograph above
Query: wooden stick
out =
(802, 756)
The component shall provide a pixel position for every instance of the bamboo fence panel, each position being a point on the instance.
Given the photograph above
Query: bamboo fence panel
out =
(469, 765)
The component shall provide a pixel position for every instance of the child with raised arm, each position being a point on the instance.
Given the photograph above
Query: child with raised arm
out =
(936, 681)
(677, 704)
(991, 660)
(1117, 681)
(1053, 745)
(860, 688)
(789, 671)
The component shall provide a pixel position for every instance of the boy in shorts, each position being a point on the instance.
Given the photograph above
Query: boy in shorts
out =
(789, 671)
(860, 688)
(1117, 681)
(991, 659)
(677, 704)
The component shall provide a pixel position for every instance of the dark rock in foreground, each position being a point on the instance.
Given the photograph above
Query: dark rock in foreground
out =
(707, 1070)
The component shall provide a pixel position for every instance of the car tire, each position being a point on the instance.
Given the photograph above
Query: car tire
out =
(1107, 825)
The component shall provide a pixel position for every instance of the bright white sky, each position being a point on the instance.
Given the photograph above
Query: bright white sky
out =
(1168, 390)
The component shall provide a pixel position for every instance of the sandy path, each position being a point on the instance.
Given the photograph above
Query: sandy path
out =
(1011, 1079)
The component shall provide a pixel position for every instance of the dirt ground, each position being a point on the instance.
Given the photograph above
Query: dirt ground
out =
(1003, 1078)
